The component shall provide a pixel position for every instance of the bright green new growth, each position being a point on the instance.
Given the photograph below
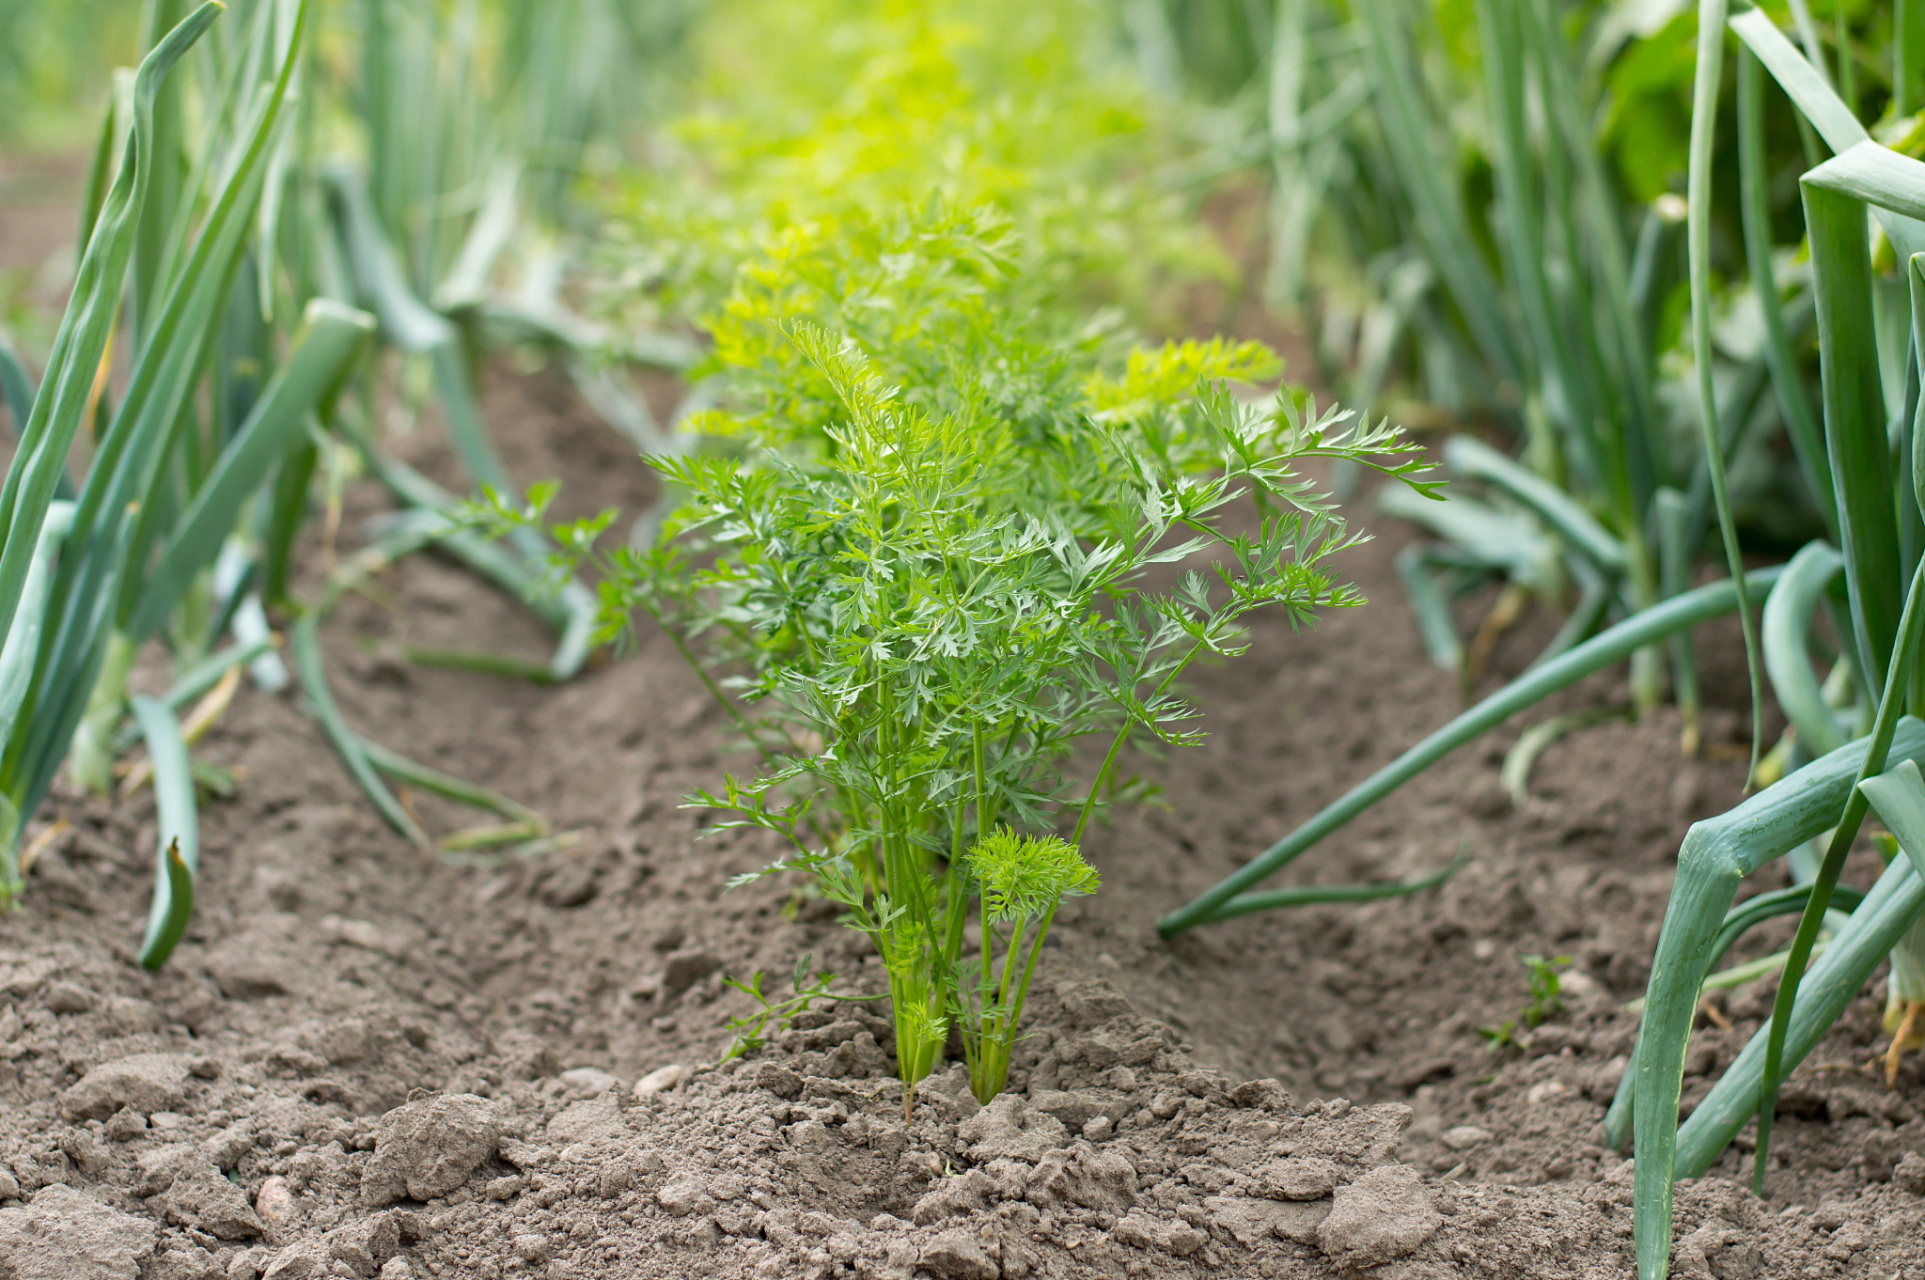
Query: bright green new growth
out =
(948, 609)
(1546, 1001)
(1019, 882)
(927, 566)
(809, 115)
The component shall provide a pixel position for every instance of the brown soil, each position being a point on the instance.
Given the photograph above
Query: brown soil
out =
(364, 1059)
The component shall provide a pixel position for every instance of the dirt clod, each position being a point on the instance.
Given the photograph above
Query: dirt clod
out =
(1301, 1178)
(146, 1082)
(65, 1235)
(200, 1197)
(1007, 1128)
(778, 1080)
(1384, 1215)
(430, 1147)
(1909, 1174)
(958, 1255)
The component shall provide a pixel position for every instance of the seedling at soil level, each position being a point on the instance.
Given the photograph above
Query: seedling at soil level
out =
(1019, 882)
(1545, 1003)
(924, 585)
(750, 1031)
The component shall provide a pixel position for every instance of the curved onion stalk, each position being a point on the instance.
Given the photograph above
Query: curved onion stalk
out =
(1311, 895)
(1611, 646)
(1516, 771)
(521, 823)
(1833, 981)
(1787, 620)
(1717, 854)
(1476, 460)
(347, 745)
(1827, 112)
(178, 859)
(195, 681)
(368, 761)
(1504, 541)
(236, 570)
(571, 611)
(1877, 925)
(1737, 922)
(415, 326)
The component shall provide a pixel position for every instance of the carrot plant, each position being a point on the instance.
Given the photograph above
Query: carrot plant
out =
(940, 549)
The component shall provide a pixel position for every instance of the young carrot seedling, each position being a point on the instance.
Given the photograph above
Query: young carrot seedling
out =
(1019, 882)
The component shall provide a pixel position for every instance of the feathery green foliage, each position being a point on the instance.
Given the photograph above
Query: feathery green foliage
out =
(1020, 882)
(926, 537)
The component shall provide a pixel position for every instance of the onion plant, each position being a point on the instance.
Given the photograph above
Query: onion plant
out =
(199, 259)
(85, 581)
(1613, 493)
(1447, 189)
(1878, 506)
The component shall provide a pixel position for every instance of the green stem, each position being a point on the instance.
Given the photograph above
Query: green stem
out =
(1029, 969)
(1600, 651)
(1704, 116)
(93, 751)
(985, 818)
(1122, 735)
(1911, 631)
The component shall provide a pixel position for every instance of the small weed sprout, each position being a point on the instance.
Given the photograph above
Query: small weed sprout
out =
(750, 1032)
(1546, 1001)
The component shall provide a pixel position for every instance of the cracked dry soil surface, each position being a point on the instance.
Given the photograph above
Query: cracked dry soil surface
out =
(364, 1061)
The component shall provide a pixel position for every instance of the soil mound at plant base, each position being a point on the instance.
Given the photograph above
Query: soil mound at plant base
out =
(1142, 1166)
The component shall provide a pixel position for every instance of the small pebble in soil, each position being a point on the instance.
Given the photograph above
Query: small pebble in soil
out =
(586, 1082)
(1465, 1136)
(660, 1080)
(275, 1204)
